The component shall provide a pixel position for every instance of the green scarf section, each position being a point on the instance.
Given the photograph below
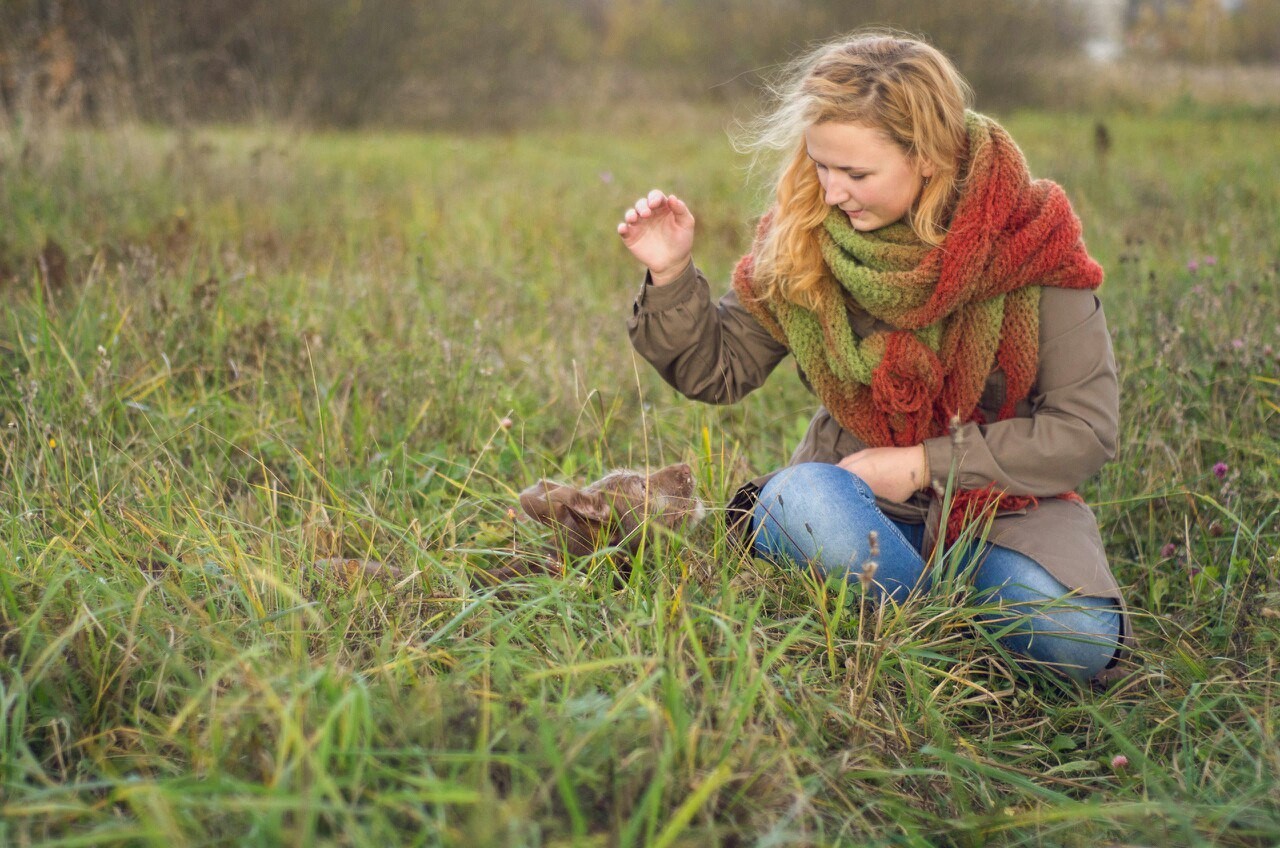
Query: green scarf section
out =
(879, 273)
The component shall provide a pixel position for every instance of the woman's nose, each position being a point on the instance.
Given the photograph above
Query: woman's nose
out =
(836, 190)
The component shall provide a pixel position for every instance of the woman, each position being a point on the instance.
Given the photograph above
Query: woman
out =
(939, 302)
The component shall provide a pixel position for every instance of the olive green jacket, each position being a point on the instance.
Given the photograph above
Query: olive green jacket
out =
(1060, 435)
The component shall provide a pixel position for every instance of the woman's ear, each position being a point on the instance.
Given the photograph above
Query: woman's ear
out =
(927, 168)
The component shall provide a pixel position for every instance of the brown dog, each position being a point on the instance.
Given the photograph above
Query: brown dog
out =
(614, 511)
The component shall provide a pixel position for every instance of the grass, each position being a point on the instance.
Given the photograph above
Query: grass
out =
(229, 353)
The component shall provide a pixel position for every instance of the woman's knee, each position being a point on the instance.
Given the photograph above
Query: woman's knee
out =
(800, 499)
(812, 482)
(821, 514)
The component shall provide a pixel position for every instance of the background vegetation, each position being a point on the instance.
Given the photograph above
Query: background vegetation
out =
(230, 352)
(506, 63)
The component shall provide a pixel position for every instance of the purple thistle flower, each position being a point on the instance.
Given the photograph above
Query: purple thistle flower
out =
(1210, 261)
(1193, 266)
(1220, 470)
(1168, 550)
(1237, 344)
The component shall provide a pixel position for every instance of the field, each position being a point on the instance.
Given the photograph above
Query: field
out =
(227, 354)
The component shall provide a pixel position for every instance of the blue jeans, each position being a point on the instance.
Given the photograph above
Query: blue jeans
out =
(821, 514)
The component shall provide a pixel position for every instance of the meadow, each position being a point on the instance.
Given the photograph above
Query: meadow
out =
(229, 353)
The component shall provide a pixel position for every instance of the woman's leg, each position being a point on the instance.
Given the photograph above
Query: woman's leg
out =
(821, 514)
(1075, 634)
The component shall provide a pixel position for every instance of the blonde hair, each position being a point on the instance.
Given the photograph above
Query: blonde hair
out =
(876, 78)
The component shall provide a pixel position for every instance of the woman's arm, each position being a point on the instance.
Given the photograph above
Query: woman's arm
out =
(1075, 411)
(715, 353)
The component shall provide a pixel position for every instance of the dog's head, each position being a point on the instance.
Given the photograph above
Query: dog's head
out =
(611, 510)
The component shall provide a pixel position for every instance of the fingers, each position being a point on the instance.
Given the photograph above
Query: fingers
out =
(652, 203)
(649, 204)
(655, 206)
(643, 208)
(631, 218)
(852, 461)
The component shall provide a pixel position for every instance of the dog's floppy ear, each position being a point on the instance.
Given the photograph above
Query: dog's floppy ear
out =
(578, 517)
(588, 506)
(536, 500)
(556, 504)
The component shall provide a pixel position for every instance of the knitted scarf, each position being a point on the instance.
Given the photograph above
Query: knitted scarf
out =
(958, 311)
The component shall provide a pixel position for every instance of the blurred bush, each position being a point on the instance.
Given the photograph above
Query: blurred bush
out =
(485, 63)
(1206, 31)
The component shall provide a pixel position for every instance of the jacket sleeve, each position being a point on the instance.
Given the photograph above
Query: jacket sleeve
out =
(716, 353)
(1075, 415)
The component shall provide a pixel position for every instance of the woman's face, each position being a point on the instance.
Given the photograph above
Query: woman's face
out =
(870, 178)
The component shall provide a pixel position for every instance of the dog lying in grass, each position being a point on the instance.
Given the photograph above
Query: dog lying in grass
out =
(613, 512)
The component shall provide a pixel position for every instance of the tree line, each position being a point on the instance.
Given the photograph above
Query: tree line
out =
(492, 63)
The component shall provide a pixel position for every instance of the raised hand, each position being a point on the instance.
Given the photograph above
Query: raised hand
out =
(658, 231)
